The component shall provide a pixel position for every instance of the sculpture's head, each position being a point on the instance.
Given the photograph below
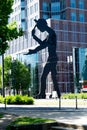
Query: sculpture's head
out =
(41, 24)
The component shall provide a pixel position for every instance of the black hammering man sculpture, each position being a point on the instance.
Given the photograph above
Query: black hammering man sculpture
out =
(50, 42)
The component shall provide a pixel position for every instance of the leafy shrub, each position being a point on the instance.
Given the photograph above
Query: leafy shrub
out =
(28, 100)
(19, 99)
(83, 96)
(68, 96)
(73, 96)
(9, 99)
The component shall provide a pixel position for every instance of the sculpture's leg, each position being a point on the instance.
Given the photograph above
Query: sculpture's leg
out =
(43, 81)
(54, 74)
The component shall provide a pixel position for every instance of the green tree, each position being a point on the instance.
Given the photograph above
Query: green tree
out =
(7, 31)
(35, 88)
(17, 73)
(7, 70)
(20, 76)
(0, 76)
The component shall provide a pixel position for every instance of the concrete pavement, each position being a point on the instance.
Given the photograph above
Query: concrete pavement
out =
(66, 114)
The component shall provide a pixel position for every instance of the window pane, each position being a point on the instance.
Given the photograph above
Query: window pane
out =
(63, 4)
(73, 16)
(81, 4)
(55, 16)
(36, 7)
(46, 6)
(81, 17)
(73, 3)
(55, 6)
(23, 24)
(22, 3)
(63, 15)
(23, 14)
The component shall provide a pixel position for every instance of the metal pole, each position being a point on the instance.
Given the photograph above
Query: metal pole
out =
(59, 103)
(76, 103)
(5, 103)
(3, 90)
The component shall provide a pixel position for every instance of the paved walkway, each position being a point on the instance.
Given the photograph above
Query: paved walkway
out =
(6, 120)
(68, 115)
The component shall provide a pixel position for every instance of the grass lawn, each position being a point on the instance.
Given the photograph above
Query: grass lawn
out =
(29, 120)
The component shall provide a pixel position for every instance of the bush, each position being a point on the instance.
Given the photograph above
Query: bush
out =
(9, 99)
(28, 100)
(19, 99)
(68, 96)
(82, 96)
(73, 96)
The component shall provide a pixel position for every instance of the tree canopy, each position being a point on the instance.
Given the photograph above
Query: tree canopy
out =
(16, 74)
(20, 75)
(0, 76)
(8, 31)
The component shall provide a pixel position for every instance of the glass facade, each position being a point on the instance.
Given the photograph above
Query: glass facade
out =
(32, 62)
(23, 15)
(51, 9)
(76, 10)
(80, 69)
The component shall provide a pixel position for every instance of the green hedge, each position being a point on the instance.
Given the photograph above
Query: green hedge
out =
(19, 99)
(73, 96)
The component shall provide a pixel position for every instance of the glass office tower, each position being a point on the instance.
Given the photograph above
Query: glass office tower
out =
(68, 19)
(80, 69)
